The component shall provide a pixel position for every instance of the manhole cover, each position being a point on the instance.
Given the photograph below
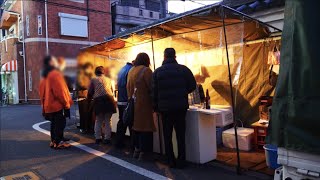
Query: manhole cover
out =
(21, 176)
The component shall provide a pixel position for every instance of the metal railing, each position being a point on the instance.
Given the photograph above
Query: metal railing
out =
(10, 36)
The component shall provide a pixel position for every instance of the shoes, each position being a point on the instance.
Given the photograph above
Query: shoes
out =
(178, 164)
(98, 141)
(61, 145)
(51, 144)
(65, 139)
(181, 164)
(172, 164)
(136, 153)
(143, 156)
(107, 141)
(119, 146)
(83, 131)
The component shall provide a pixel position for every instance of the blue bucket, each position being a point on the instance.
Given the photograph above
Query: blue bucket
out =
(271, 152)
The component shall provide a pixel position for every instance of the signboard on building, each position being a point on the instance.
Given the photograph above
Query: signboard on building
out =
(30, 80)
(39, 25)
(27, 25)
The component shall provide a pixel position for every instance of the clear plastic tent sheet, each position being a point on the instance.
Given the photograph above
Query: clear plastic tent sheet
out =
(199, 40)
(204, 53)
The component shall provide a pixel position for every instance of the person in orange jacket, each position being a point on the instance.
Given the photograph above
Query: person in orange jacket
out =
(55, 100)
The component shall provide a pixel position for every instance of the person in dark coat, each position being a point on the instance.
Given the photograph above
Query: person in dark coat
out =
(172, 83)
(122, 102)
(104, 105)
(85, 105)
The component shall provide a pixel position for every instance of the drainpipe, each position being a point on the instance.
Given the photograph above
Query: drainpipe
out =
(46, 17)
(88, 14)
(24, 55)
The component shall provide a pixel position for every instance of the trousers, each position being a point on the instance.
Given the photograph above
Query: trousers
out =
(58, 123)
(85, 112)
(100, 119)
(143, 141)
(177, 120)
(121, 127)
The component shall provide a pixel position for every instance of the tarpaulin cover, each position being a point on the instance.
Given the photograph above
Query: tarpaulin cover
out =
(295, 120)
(198, 37)
(200, 19)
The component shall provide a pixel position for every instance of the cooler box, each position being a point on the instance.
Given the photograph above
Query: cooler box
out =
(298, 165)
(223, 116)
(219, 131)
(201, 144)
(245, 138)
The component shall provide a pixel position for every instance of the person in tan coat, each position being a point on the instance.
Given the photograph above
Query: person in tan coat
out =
(140, 77)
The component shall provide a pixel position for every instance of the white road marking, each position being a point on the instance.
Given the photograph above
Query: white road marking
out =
(110, 158)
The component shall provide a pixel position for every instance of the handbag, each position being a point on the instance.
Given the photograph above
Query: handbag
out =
(128, 113)
(274, 57)
(273, 77)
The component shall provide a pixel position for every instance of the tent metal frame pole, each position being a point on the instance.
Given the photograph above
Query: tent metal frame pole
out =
(154, 62)
(231, 94)
(251, 18)
(158, 116)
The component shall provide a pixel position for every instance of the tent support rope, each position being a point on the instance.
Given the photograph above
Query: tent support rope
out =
(231, 94)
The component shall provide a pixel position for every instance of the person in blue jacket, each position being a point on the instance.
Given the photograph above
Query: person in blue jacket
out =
(122, 103)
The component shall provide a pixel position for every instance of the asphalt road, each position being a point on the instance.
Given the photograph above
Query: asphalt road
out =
(24, 149)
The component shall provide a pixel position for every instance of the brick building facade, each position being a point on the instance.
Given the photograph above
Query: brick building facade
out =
(72, 24)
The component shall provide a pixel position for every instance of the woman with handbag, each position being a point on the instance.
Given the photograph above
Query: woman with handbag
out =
(139, 87)
(104, 105)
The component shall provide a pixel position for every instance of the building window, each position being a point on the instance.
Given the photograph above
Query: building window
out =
(132, 3)
(140, 12)
(3, 34)
(12, 31)
(27, 25)
(151, 14)
(20, 29)
(152, 5)
(73, 25)
(39, 25)
(78, 1)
